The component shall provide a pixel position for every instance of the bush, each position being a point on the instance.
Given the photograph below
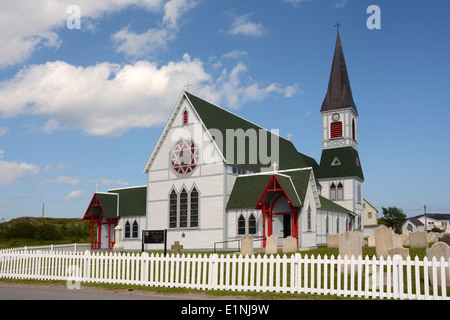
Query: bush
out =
(47, 232)
(23, 230)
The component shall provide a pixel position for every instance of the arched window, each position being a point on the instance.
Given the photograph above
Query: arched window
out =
(340, 192)
(173, 209)
(127, 230)
(333, 192)
(337, 225)
(185, 117)
(194, 208)
(252, 224)
(241, 225)
(183, 209)
(353, 130)
(135, 229)
(309, 217)
(336, 130)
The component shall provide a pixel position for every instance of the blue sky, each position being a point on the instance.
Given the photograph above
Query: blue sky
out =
(85, 107)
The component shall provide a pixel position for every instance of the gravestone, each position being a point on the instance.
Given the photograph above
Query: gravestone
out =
(371, 241)
(289, 244)
(445, 238)
(350, 244)
(176, 247)
(432, 237)
(333, 241)
(418, 239)
(397, 240)
(118, 246)
(404, 252)
(438, 250)
(383, 241)
(247, 245)
(272, 244)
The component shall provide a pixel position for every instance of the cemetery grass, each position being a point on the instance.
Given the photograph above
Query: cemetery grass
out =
(224, 294)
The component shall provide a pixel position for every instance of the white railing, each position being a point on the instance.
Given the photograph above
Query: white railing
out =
(77, 247)
(391, 278)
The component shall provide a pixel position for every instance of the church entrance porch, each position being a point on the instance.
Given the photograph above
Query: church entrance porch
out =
(280, 214)
(281, 226)
(102, 226)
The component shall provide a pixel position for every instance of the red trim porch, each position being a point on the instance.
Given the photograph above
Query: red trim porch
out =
(271, 195)
(99, 221)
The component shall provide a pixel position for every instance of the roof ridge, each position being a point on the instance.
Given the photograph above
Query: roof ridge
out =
(236, 115)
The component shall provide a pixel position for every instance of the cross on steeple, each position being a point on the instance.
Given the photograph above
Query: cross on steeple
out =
(187, 86)
(337, 25)
(275, 166)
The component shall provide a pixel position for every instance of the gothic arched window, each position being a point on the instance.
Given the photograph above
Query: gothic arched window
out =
(135, 229)
(241, 224)
(333, 192)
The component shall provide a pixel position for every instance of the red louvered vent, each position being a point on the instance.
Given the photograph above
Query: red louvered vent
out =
(336, 130)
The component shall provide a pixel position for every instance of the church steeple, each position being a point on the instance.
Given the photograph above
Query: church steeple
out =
(339, 94)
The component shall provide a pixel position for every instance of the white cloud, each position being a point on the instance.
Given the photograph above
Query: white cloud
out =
(296, 3)
(11, 172)
(62, 180)
(75, 195)
(140, 45)
(108, 99)
(340, 3)
(110, 182)
(27, 25)
(242, 25)
(3, 131)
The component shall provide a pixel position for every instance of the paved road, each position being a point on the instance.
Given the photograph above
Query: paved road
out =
(12, 291)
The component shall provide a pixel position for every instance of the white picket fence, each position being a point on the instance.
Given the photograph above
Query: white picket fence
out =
(53, 247)
(366, 278)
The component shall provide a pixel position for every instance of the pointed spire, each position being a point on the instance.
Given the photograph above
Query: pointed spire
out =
(339, 94)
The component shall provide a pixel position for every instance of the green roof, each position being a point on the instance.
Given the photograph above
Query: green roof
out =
(248, 188)
(108, 201)
(132, 201)
(350, 164)
(214, 117)
(329, 205)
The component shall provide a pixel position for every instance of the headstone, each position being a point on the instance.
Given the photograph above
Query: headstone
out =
(272, 244)
(118, 245)
(371, 241)
(247, 245)
(432, 237)
(176, 247)
(404, 252)
(289, 244)
(397, 240)
(438, 250)
(383, 240)
(350, 244)
(418, 239)
(445, 238)
(333, 241)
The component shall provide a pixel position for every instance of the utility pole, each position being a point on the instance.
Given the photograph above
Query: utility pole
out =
(426, 225)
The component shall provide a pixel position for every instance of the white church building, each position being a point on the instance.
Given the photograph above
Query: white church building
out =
(214, 177)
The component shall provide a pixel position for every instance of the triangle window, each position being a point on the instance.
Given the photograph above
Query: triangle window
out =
(336, 162)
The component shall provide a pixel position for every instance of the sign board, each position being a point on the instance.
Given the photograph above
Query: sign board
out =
(154, 236)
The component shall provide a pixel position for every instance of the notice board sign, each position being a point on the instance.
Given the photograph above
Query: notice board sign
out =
(154, 236)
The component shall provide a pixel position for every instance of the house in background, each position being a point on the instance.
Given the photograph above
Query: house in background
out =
(370, 218)
(431, 220)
